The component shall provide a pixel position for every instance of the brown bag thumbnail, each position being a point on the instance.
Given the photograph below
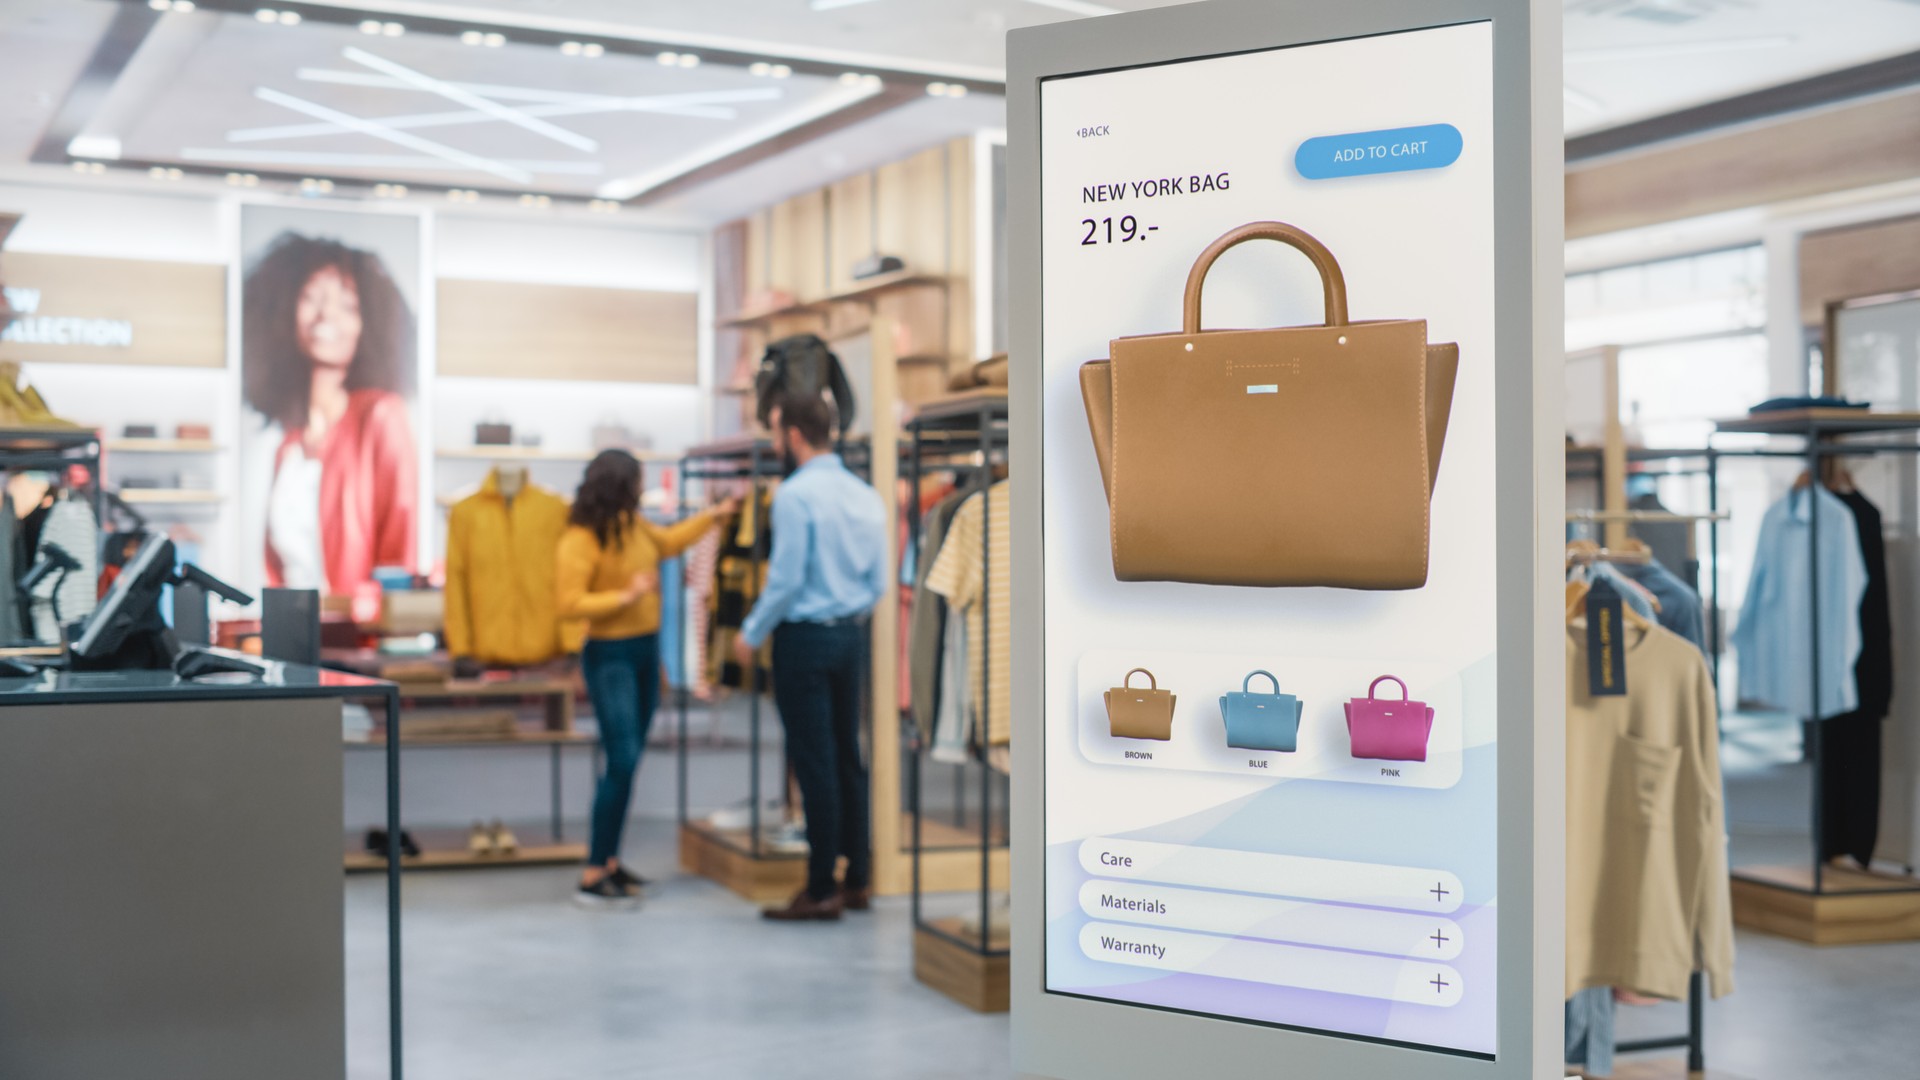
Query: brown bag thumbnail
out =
(1298, 456)
(1133, 713)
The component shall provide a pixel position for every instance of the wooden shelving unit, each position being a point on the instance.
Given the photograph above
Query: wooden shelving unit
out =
(870, 289)
(170, 497)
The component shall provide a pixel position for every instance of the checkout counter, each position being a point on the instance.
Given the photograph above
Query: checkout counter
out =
(171, 902)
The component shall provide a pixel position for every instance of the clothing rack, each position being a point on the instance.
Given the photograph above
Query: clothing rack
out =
(965, 432)
(1820, 431)
(751, 459)
(55, 450)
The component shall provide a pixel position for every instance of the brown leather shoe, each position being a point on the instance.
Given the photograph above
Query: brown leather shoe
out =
(804, 908)
(856, 899)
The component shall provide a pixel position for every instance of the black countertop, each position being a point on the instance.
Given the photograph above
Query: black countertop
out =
(282, 680)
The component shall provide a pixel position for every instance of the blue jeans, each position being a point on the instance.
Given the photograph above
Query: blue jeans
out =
(623, 682)
(819, 683)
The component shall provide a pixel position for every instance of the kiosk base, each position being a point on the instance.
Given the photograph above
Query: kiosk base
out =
(974, 979)
(1855, 907)
(726, 856)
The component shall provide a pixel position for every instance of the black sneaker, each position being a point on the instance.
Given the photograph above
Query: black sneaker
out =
(603, 893)
(629, 883)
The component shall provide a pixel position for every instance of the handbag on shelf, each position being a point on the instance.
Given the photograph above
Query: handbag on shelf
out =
(1133, 713)
(492, 433)
(1298, 456)
(1257, 721)
(1388, 728)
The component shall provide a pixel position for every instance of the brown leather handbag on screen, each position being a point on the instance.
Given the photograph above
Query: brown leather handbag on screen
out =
(1133, 713)
(1297, 456)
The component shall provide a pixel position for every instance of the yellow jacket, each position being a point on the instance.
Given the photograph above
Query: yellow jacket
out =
(500, 607)
(590, 579)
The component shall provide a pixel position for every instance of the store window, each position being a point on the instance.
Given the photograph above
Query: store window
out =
(1692, 335)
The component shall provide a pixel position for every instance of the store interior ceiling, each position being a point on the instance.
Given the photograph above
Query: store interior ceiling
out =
(675, 112)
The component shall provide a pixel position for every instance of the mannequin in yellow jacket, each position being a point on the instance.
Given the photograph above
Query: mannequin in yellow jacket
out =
(501, 546)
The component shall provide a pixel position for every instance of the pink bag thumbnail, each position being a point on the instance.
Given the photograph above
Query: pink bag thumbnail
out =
(1386, 728)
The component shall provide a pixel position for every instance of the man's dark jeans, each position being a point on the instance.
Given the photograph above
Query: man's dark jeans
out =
(819, 682)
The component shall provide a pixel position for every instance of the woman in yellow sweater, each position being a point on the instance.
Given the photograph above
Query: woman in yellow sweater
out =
(608, 574)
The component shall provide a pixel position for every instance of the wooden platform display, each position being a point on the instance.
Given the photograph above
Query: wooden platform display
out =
(963, 974)
(1855, 908)
(452, 859)
(726, 856)
(1663, 1069)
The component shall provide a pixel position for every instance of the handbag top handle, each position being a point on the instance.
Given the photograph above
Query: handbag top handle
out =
(1330, 276)
(1247, 686)
(1392, 679)
(1128, 681)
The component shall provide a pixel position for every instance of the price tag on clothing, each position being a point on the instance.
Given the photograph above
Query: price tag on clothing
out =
(1606, 651)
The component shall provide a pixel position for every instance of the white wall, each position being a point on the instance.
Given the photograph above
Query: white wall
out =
(186, 225)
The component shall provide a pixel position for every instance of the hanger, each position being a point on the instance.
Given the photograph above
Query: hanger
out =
(1583, 553)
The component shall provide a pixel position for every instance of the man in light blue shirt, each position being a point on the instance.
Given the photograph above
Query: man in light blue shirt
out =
(827, 570)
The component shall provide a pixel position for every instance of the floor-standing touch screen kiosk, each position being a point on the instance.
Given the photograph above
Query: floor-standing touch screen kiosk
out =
(1287, 440)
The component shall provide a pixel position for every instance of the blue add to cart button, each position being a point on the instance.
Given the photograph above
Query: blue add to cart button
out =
(1364, 153)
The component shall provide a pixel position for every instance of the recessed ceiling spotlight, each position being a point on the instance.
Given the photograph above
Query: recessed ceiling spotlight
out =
(670, 59)
(472, 37)
(289, 18)
(91, 168)
(761, 69)
(956, 90)
(538, 202)
(182, 6)
(316, 186)
(159, 5)
(157, 173)
(494, 41)
(392, 29)
(592, 49)
(389, 191)
(570, 48)
(849, 78)
(462, 195)
(267, 15)
(688, 60)
(370, 26)
(603, 206)
(781, 71)
(938, 89)
(869, 80)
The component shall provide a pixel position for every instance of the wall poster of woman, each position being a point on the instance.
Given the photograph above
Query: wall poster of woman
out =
(330, 365)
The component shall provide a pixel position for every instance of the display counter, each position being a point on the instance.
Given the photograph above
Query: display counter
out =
(170, 874)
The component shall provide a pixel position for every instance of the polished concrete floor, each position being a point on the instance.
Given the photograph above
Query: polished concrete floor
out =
(508, 980)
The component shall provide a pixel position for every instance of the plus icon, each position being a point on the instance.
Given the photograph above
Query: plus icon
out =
(1439, 894)
(1440, 939)
(1440, 985)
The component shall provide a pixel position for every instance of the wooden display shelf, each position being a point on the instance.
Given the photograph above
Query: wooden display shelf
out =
(538, 453)
(979, 981)
(1855, 907)
(869, 289)
(358, 862)
(162, 446)
(556, 696)
(726, 856)
(169, 497)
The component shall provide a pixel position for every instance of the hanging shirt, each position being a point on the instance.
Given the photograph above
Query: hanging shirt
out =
(960, 576)
(1679, 604)
(1777, 622)
(1647, 891)
(829, 558)
(501, 559)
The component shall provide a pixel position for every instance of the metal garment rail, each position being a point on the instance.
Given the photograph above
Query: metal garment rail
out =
(753, 460)
(975, 426)
(53, 450)
(1815, 430)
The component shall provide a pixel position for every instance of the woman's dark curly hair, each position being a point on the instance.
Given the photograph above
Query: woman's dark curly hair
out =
(608, 497)
(270, 335)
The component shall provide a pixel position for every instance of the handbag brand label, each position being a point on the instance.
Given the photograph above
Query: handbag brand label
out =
(1606, 652)
(1264, 388)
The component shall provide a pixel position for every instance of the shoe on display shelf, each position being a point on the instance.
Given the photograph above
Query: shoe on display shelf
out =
(739, 816)
(787, 838)
(501, 839)
(479, 840)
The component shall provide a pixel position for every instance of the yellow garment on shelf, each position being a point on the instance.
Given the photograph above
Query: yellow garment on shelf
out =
(590, 579)
(500, 564)
(1647, 892)
(958, 575)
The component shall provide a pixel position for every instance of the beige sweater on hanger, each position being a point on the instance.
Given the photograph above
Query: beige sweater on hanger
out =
(1647, 900)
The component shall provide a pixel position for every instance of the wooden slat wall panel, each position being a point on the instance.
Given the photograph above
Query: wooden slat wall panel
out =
(1874, 141)
(913, 205)
(850, 229)
(1860, 260)
(759, 263)
(178, 311)
(514, 330)
(960, 225)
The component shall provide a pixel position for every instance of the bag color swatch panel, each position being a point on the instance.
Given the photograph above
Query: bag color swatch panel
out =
(1212, 426)
(1261, 721)
(1135, 713)
(1391, 729)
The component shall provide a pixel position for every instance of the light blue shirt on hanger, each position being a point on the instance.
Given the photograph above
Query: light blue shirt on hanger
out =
(1774, 639)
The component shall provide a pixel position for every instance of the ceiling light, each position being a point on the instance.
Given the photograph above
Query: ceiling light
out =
(315, 186)
(689, 60)
(781, 71)
(472, 37)
(159, 5)
(392, 29)
(869, 80)
(761, 69)
(236, 179)
(593, 48)
(104, 147)
(539, 202)
(462, 195)
(956, 90)
(938, 89)
(370, 26)
(161, 172)
(390, 191)
(849, 78)
(289, 18)
(603, 206)
(570, 48)
(92, 168)
(494, 41)
(182, 6)
(668, 58)
(267, 15)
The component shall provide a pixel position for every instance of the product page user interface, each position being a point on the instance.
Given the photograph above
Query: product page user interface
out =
(1268, 517)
